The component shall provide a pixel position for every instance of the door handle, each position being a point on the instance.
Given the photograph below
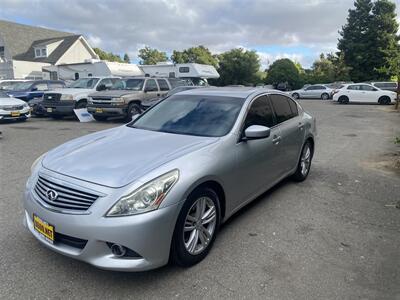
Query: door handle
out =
(276, 139)
(158, 95)
(300, 126)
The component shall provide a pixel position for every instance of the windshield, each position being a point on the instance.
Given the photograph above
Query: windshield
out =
(21, 86)
(3, 94)
(128, 84)
(211, 116)
(84, 83)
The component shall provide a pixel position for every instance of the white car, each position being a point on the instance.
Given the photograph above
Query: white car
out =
(362, 92)
(13, 108)
(317, 91)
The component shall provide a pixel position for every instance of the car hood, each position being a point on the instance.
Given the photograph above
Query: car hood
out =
(11, 101)
(113, 93)
(119, 156)
(71, 91)
(17, 93)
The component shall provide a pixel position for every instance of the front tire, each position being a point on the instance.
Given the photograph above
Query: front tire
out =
(133, 109)
(296, 96)
(196, 228)
(304, 164)
(384, 100)
(343, 100)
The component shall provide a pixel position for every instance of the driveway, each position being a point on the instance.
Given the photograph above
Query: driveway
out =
(334, 236)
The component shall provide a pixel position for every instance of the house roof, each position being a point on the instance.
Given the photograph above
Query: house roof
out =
(20, 40)
(55, 55)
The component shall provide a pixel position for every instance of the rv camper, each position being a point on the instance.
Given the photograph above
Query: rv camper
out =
(198, 73)
(91, 68)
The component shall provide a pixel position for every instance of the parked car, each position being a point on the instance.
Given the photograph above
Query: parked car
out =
(132, 197)
(362, 92)
(33, 89)
(129, 96)
(61, 103)
(316, 91)
(13, 108)
(7, 84)
(387, 86)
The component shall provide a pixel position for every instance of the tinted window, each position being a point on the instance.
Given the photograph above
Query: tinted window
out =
(84, 83)
(177, 82)
(365, 87)
(163, 85)
(293, 107)
(353, 87)
(192, 115)
(128, 84)
(260, 113)
(319, 87)
(151, 85)
(282, 108)
(107, 82)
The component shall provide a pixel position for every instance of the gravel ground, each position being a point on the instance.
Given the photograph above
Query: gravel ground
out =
(334, 236)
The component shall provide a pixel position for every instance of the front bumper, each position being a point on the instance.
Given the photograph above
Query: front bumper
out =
(148, 234)
(63, 108)
(21, 115)
(107, 110)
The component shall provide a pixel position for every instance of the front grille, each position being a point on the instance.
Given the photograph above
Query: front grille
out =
(69, 240)
(14, 107)
(67, 198)
(51, 97)
(101, 100)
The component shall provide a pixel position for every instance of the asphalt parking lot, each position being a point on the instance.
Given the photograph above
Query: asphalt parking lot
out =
(334, 236)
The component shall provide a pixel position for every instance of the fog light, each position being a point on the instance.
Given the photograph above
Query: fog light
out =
(118, 250)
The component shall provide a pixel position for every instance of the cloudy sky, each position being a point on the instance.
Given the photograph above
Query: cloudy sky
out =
(299, 30)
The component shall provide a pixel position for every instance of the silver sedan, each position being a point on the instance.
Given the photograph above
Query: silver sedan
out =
(134, 197)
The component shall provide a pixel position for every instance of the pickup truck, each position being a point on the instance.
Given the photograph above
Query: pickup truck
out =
(28, 90)
(129, 96)
(62, 102)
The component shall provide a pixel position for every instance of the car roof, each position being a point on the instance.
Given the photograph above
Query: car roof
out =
(233, 92)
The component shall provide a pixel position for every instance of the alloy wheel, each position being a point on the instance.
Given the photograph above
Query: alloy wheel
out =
(305, 160)
(199, 226)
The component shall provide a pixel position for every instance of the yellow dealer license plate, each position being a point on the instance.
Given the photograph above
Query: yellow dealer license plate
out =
(15, 114)
(44, 228)
(99, 110)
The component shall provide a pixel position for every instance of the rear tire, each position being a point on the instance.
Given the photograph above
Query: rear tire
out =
(304, 164)
(325, 96)
(384, 100)
(196, 229)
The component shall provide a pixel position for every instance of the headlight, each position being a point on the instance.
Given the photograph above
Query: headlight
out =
(146, 198)
(26, 105)
(34, 165)
(66, 97)
(117, 100)
(90, 100)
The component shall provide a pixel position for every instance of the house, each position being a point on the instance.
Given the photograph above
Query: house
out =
(25, 50)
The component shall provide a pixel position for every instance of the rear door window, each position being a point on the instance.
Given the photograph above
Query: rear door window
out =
(41, 87)
(162, 83)
(151, 85)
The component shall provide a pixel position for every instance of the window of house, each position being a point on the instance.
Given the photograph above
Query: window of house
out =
(40, 52)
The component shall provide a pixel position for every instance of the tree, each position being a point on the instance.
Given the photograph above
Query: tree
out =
(127, 59)
(199, 54)
(356, 42)
(238, 66)
(386, 48)
(151, 56)
(392, 67)
(284, 71)
(109, 56)
(342, 71)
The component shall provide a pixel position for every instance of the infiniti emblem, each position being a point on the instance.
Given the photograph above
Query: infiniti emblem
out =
(52, 195)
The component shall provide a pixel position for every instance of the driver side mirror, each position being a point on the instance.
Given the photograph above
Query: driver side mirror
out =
(34, 89)
(257, 132)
